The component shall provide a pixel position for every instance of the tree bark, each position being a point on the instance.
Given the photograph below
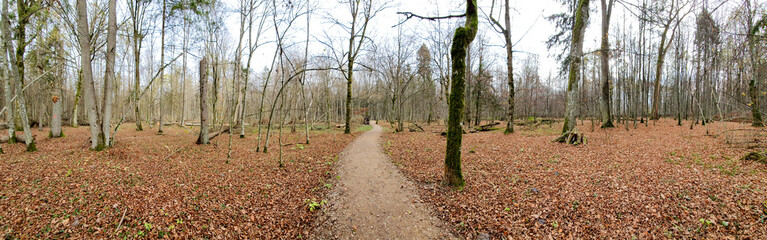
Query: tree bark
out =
(97, 136)
(606, 104)
(509, 69)
(17, 67)
(109, 75)
(162, 71)
(78, 94)
(461, 40)
(137, 38)
(203, 138)
(576, 54)
(753, 90)
(8, 85)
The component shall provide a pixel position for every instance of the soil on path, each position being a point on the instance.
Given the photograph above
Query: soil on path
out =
(373, 200)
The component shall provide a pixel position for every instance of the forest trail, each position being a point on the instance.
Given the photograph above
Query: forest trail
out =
(373, 200)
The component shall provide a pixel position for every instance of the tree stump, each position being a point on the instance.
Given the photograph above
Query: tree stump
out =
(572, 137)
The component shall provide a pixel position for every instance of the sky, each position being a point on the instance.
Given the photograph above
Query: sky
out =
(530, 29)
(528, 20)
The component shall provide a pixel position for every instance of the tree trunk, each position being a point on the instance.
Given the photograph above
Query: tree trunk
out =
(56, 112)
(109, 75)
(753, 90)
(17, 67)
(509, 69)
(8, 85)
(162, 70)
(461, 40)
(137, 75)
(183, 72)
(78, 94)
(203, 138)
(576, 54)
(607, 117)
(350, 76)
(97, 136)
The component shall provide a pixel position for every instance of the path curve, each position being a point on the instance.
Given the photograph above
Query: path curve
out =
(373, 200)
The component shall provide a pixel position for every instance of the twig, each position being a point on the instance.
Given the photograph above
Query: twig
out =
(173, 153)
(121, 220)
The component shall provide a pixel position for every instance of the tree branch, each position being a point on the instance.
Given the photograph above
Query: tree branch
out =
(409, 15)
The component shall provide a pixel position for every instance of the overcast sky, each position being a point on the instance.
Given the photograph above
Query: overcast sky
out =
(530, 29)
(528, 18)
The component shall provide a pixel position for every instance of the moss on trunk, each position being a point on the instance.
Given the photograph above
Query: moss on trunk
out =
(461, 40)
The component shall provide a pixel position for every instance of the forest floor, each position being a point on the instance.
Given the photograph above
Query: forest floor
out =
(373, 200)
(165, 186)
(657, 181)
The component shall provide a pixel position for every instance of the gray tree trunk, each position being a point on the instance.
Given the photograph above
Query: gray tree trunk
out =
(78, 92)
(162, 70)
(509, 68)
(97, 136)
(606, 104)
(109, 75)
(8, 85)
(17, 74)
(203, 138)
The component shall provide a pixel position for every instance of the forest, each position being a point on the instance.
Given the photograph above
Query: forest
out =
(383, 119)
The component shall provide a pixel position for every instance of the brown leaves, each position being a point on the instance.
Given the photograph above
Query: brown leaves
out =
(163, 191)
(650, 182)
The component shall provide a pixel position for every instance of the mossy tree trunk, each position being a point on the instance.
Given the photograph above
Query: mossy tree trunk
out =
(576, 54)
(461, 40)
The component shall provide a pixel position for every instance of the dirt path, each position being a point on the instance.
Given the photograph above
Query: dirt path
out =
(373, 200)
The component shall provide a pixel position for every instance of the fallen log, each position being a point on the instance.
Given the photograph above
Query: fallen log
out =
(215, 134)
(487, 127)
(419, 127)
(760, 157)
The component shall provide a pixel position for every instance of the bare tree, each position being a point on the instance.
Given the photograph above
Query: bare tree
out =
(203, 138)
(671, 21)
(109, 75)
(506, 31)
(97, 136)
(604, 73)
(569, 134)
(362, 12)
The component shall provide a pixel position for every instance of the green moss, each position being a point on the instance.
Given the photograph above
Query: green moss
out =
(99, 147)
(31, 147)
(461, 40)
